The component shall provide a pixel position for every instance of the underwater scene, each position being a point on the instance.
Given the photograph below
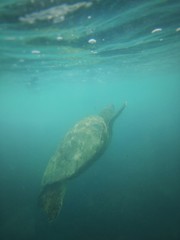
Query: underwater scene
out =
(90, 120)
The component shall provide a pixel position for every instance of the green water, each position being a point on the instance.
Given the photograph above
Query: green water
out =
(61, 61)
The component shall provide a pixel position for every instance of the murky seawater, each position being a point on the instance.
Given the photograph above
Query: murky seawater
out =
(61, 61)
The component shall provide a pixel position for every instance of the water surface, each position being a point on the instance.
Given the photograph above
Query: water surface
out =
(63, 60)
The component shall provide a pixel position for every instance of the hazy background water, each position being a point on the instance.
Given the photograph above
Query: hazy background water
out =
(51, 77)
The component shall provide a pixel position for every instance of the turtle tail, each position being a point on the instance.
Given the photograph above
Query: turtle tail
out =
(51, 199)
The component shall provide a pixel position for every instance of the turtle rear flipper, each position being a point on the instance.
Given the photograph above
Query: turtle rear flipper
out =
(51, 199)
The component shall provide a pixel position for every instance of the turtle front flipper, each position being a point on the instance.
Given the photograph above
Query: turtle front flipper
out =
(51, 199)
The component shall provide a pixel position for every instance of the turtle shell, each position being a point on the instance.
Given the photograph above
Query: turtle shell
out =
(81, 146)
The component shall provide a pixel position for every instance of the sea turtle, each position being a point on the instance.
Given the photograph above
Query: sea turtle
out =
(81, 146)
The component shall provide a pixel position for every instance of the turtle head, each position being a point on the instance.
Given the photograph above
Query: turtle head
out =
(109, 114)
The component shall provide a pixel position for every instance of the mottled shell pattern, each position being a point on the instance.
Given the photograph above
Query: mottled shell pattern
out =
(83, 144)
